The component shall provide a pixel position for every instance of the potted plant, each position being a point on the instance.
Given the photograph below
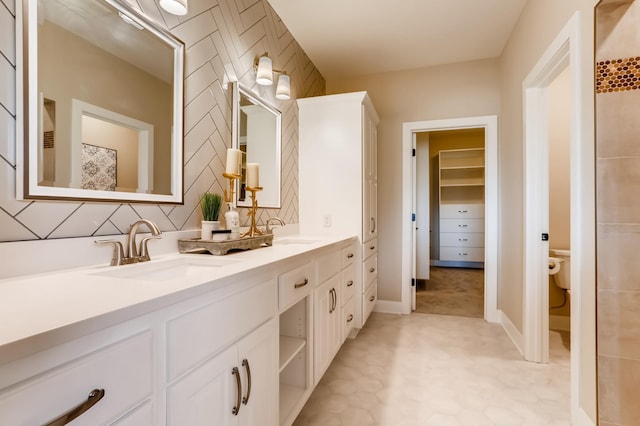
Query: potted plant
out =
(210, 205)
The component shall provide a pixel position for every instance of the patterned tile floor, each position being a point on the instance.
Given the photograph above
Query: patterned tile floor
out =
(452, 291)
(424, 369)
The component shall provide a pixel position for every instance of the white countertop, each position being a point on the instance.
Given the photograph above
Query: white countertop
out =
(38, 309)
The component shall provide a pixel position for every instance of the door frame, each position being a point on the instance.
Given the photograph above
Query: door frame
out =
(564, 51)
(490, 125)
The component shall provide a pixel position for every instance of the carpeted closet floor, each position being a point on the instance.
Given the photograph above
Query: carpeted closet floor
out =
(452, 291)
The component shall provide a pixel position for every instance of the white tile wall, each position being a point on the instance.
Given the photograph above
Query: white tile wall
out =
(216, 32)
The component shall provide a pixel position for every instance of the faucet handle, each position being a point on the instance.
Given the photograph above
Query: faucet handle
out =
(144, 251)
(118, 251)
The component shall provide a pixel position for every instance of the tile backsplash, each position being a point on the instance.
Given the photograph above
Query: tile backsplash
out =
(216, 32)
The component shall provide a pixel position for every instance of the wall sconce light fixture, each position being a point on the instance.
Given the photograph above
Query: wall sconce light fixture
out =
(264, 77)
(175, 7)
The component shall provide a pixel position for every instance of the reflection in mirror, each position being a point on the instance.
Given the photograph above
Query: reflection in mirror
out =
(103, 103)
(257, 135)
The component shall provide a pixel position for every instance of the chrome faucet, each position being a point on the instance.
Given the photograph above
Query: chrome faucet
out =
(276, 219)
(133, 254)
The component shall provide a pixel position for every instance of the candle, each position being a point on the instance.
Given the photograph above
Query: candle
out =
(234, 159)
(253, 175)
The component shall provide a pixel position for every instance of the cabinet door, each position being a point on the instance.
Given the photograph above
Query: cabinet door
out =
(207, 395)
(258, 364)
(327, 326)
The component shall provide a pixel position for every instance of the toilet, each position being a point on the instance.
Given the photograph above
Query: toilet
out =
(560, 267)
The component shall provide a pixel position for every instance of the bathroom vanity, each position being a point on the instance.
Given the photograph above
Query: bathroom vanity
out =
(180, 340)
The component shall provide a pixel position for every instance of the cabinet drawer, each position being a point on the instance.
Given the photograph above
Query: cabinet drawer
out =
(369, 248)
(464, 254)
(348, 317)
(141, 416)
(460, 239)
(369, 300)
(195, 336)
(294, 285)
(124, 370)
(328, 265)
(369, 271)
(348, 281)
(462, 211)
(348, 255)
(461, 225)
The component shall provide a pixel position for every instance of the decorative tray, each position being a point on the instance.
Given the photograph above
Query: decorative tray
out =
(220, 248)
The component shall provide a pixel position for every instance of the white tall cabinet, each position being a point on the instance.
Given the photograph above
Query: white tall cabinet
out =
(339, 181)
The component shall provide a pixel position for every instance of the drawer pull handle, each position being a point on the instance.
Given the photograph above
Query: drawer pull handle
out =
(245, 364)
(463, 254)
(463, 239)
(372, 247)
(462, 226)
(302, 284)
(373, 225)
(350, 318)
(463, 211)
(349, 283)
(350, 256)
(372, 298)
(94, 396)
(236, 408)
(372, 270)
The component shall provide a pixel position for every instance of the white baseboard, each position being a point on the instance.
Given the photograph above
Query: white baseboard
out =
(512, 332)
(559, 322)
(388, 307)
(582, 418)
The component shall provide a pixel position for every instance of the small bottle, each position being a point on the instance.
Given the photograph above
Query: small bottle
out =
(232, 220)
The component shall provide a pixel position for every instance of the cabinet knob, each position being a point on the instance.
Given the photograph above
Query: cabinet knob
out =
(349, 283)
(372, 298)
(350, 256)
(93, 398)
(372, 270)
(350, 318)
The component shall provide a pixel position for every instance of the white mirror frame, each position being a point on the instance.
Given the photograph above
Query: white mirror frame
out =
(235, 143)
(27, 126)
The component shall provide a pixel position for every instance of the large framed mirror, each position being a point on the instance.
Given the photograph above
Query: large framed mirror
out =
(257, 133)
(102, 101)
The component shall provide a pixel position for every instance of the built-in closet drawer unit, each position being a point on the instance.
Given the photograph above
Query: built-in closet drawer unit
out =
(461, 239)
(462, 211)
(124, 370)
(348, 255)
(461, 225)
(463, 254)
(199, 334)
(294, 285)
(348, 281)
(348, 317)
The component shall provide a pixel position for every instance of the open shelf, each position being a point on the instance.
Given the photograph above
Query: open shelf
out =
(289, 397)
(289, 348)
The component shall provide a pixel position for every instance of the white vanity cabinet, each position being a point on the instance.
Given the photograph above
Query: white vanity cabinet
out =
(235, 387)
(338, 174)
(123, 369)
(235, 384)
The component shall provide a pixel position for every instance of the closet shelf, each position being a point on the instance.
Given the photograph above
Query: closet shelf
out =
(289, 348)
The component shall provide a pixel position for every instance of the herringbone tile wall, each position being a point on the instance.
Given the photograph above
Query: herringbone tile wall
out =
(216, 32)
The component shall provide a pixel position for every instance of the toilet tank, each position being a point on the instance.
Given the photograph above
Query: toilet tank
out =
(563, 277)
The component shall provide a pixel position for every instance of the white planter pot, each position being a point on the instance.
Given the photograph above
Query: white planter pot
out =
(207, 227)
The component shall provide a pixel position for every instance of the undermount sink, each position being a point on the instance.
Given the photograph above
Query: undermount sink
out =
(167, 269)
(287, 240)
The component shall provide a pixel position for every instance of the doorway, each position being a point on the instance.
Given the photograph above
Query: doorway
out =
(449, 206)
(489, 125)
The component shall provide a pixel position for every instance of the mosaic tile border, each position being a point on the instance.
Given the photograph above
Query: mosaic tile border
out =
(618, 75)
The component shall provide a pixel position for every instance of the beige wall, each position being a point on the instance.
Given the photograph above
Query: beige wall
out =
(449, 91)
(618, 210)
